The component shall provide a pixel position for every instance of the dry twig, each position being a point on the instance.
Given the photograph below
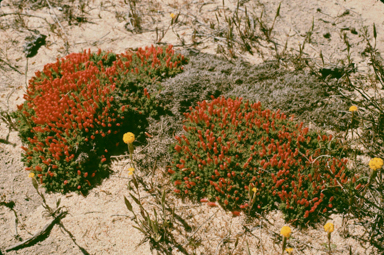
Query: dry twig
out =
(41, 235)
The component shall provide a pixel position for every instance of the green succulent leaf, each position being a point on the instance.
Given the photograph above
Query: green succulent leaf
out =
(128, 204)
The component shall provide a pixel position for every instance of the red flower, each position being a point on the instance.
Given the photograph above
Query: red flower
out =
(236, 213)
(178, 148)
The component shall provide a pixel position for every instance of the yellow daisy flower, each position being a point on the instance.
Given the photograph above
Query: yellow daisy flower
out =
(131, 170)
(254, 190)
(285, 231)
(353, 108)
(172, 15)
(289, 250)
(329, 227)
(376, 163)
(31, 175)
(129, 137)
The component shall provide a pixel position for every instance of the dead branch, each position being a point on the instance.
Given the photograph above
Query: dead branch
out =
(14, 69)
(189, 238)
(37, 237)
(27, 15)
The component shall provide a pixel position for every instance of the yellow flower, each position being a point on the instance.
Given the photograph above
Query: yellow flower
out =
(31, 175)
(376, 163)
(254, 190)
(328, 227)
(353, 108)
(129, 137)
(172, 15)
(285, 231)
(131, 170)
(289, 250)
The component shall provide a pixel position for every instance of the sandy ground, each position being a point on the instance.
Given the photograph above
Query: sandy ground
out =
(100, 222)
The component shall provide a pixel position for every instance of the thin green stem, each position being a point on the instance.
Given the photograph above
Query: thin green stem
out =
(284, 245)
(26, 76)
(329, 244)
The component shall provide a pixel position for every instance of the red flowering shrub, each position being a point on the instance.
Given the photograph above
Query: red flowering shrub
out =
(77, 109)
(229, 148)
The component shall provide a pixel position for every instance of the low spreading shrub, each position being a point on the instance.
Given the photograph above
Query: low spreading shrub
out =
(251, 159)
(76, 110)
